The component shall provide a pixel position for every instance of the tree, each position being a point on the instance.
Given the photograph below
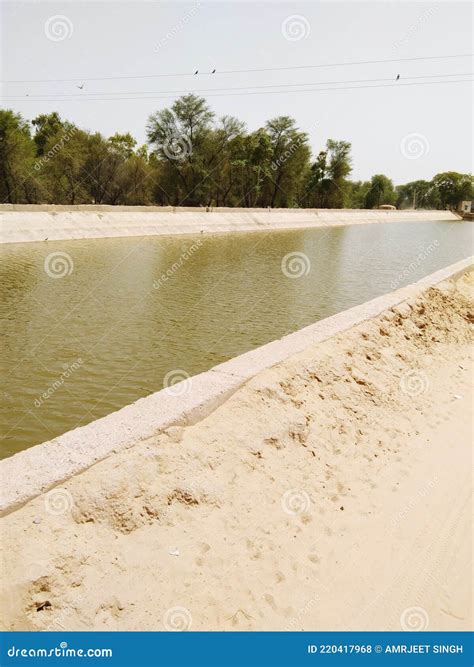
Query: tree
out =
(180, 137)
(60, 147)
(251, 160)
(417, 194)
(47, 126)
(452, 188)
(289, 161)
(122, 145)
(339, 167)
(134, 178)
(194, 159)
(222, 147)
(381, 191)
(328, 186)
(357, 192)
(17, 152)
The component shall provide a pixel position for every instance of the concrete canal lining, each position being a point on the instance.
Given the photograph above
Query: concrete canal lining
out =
(23, 223)
(33, 471)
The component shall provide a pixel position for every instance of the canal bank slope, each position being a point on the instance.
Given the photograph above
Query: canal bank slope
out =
(330, 491)
(22, 223)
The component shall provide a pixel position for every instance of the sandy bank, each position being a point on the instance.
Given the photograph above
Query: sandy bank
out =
(38, 223)
(330, 491)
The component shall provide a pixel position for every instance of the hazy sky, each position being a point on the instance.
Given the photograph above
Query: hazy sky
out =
(407, 132)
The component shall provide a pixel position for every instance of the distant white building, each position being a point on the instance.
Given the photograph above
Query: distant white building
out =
(466, 207)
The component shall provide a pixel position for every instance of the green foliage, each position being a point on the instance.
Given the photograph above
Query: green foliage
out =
(195, 159)
(17, 153)
(357, 193)
(328, 186)
(453, 188)
(445, 190)
(381, 191)
(418, 194)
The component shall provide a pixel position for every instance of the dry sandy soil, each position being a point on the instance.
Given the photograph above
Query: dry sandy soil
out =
(330, 492)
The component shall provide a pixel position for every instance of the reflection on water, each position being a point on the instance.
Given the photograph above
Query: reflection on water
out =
(80, 346)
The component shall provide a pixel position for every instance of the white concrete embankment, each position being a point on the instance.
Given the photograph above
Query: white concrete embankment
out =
(57, 223)
(35, 470)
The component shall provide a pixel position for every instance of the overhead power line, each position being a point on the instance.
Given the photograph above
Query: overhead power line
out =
(239, 71)
(262, 87)
(260, 92)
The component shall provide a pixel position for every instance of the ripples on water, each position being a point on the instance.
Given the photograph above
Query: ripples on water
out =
(228, 297)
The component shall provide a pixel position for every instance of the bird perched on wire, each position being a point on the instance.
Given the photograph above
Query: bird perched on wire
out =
(213, 71)
(398, 76)
(81, 86)
(196, 72)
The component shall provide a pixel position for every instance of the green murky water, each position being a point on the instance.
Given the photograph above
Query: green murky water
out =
(95, 327)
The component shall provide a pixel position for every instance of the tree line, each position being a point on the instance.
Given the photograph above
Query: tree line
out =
(194, 159)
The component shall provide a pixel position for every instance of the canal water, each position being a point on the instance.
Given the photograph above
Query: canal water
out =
(90, 326)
